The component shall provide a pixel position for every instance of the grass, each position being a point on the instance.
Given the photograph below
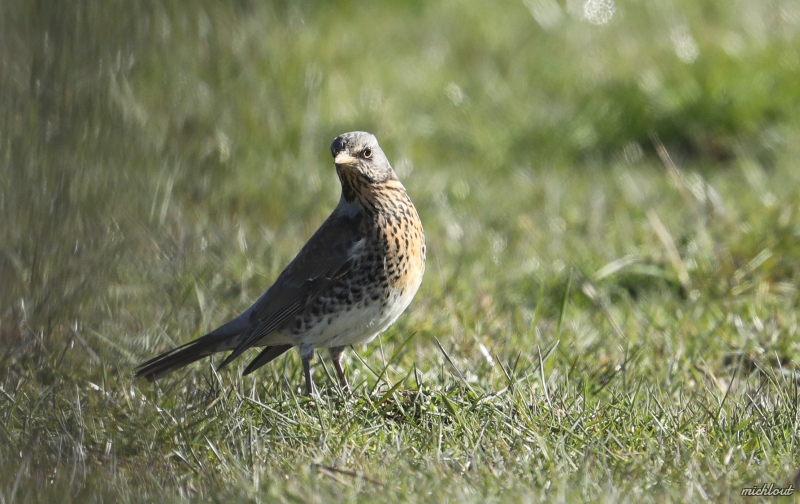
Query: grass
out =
(610, 307)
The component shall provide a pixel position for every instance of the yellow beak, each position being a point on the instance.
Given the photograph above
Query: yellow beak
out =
(344, 159)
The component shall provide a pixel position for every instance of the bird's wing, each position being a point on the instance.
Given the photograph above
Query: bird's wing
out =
(327, 256)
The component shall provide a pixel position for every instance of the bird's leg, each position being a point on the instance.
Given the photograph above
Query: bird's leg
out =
(307, 353)
(336, 355)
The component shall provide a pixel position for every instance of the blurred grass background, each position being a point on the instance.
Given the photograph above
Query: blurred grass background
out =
(613, 181)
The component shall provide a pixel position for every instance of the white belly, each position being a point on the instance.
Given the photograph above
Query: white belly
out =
(359, 325)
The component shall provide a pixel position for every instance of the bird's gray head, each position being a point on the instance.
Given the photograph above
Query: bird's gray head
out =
(360, 160)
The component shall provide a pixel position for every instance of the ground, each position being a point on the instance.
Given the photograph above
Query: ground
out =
(611, 202)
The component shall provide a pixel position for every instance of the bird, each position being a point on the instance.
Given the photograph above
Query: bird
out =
(351, 281)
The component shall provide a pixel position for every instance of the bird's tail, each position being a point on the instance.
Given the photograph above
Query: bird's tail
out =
(167, 362)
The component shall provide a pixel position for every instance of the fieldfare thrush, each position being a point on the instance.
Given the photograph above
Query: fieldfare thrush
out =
(349, 283)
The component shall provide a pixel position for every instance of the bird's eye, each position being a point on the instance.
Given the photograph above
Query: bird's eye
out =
(367, 153)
